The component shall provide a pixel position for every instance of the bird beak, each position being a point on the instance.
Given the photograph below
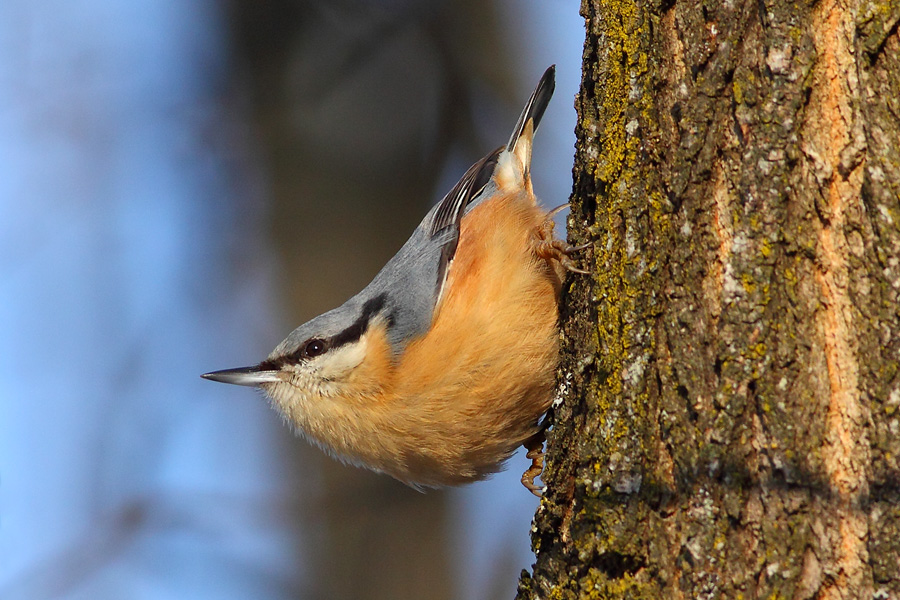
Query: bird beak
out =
(250, 376)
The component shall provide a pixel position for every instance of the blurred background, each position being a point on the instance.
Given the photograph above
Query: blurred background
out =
(183, 183)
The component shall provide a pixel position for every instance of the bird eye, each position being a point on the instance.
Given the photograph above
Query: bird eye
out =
(314, 348)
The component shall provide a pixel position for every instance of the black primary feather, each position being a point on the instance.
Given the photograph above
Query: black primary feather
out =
(452, 207)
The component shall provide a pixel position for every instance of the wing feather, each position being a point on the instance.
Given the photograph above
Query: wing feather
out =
(450, 211)
(452, 207)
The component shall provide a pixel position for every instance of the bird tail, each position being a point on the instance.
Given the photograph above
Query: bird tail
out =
(514, 168)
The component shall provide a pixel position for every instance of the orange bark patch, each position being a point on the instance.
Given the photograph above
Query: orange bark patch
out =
(828, 135)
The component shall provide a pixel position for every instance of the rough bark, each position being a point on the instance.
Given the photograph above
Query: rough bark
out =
(730, 416)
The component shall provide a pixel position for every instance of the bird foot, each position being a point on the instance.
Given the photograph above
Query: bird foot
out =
(535, 447)
(560, 251)
(548, 247)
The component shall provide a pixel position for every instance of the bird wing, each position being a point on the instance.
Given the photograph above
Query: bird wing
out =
(412, 281)
(469, 190)
(420, 267)
(449, 212)
(450, 209)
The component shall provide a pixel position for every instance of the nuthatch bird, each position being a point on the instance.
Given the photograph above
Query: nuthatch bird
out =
(444, 364)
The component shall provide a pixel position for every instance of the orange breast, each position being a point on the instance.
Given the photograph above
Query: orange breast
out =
(472, 390)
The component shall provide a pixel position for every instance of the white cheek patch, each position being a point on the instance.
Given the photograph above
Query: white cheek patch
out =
(324, 376)
(337, 363)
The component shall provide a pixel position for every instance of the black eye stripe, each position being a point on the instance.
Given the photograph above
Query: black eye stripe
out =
(314, 347)
(354, 332)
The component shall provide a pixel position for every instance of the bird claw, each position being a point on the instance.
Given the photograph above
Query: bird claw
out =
(573, 249)
(535, 447)
(559, 250)
(554, 211)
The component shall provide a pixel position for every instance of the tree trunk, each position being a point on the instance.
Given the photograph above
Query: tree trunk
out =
(730, 416)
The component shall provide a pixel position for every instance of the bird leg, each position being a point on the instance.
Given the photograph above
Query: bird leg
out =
(535, 447)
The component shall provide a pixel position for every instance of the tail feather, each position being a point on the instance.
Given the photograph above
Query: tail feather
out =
(535, 107)
(514, 164)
